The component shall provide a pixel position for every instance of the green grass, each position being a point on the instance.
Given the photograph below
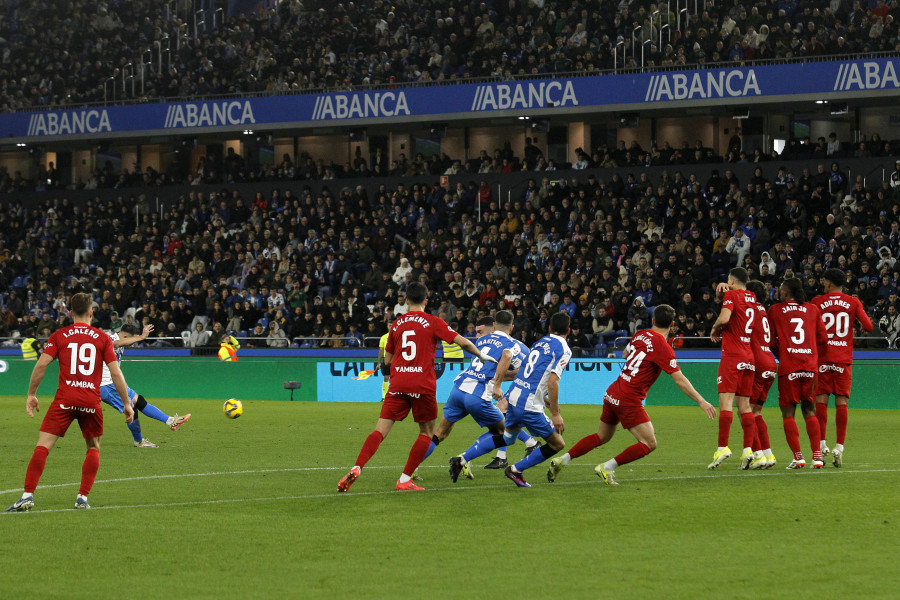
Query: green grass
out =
(248, 509)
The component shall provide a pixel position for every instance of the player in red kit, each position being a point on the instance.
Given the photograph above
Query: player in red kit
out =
(835, 364)
(736, 371)
(799, 332)
(647, 354)
(81, 350)
(410, 353)
(764, 377)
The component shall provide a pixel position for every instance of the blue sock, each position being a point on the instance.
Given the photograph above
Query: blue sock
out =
(483, 445)
(523, 436)
(536, 457)
(135, 428)
(154, 413)
(430, 450)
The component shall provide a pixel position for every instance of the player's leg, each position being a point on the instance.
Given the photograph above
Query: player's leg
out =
(174, 421)
(539, 424)
(35, 469)
(110, 395)
(456, 408)
(88, 471)
(762, 446)
(384, 386)
(727, 386)
(841, 412)
(425, 413)
(791, 432)
(822, 416)
(808, 408)
(440, 434)
(499, 460)
(608, 422)
(646, 443)
(392, 406)
(748, 425)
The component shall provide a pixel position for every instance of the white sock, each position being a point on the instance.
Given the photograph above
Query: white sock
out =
(748, 449)
(501, 454)
(823, 444)
(26, 495)
(170, 421)
(531, 443)
(566, 458)
(767, 452)
(758, 454)
(720, 448)
(839, 447)
(404, 478)
(81, 497)
(610, 465)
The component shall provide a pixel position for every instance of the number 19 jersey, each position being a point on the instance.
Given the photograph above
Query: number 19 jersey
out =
(82, 351)
(412, 342)
(648, 354)
(548, 355)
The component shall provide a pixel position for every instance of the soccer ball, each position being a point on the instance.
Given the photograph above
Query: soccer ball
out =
(233, 408)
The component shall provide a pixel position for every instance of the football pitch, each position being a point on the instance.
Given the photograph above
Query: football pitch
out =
(248, 509)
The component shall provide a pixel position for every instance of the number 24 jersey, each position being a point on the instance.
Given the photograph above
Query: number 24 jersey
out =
(648, 354)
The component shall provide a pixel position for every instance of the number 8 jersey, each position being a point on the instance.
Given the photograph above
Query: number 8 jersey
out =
(550, 354)
(648, 354)
(82, 351)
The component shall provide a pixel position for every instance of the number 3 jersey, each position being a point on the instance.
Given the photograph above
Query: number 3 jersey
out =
(478, 379)
(412, 342)
(648, 354)
(799, 330)
(548, 355)
(81, 350)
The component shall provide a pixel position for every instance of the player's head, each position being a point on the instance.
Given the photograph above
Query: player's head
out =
(559, 324)
(81, 305)
(792, 289)
(131, 329)
(503, 320)
(836, 277)
(484, 326)
(758, 288)
(737, 277)
(663, 316)
(416, 293)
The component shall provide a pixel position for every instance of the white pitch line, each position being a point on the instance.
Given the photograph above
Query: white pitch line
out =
(454, 488)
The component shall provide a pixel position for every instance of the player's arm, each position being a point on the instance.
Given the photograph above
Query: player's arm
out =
(37, 375)
(685, 385)
(126, 339)
(715, 333)
(863, 318)
(552, 400)
(471, 348)
(500, 375)
(121, 387)
(388, 358)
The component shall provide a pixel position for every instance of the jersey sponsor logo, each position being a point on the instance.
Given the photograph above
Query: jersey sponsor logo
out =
(840, 343)
(360, 106)
(68, 123)
(744, 366)
(83, 409)
(698, 86)
(868, 76)
(209, 114)
(524, 95)
(744, 339)
(801, 375)
(824, 368)
(85, 385)
(611, 400)
(800, 350)
(768, 375)
(408, 369)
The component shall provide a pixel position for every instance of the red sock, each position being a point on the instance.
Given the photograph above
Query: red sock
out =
(585, 445)
(822, 416)
(89, 471)
(35, 468)
(812, 430)
(725, 418)
(762, 433)
(632, 453)
(369, 448)
(748, 424)
(840, 420)
(417, 454)
(792, 434)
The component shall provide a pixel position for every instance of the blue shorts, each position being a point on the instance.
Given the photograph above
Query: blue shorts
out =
(109, 395)
(461, 404)
(538, 424)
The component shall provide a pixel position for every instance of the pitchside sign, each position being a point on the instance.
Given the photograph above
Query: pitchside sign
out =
(831, 80)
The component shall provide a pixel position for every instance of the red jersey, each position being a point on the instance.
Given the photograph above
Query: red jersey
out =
(648, 354)
(799, 330)
(736, 334)
(412, 341)
(82, 351)
(761, 341)
(838, 312)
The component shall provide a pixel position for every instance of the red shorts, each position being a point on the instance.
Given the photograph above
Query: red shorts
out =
(628, 414)
(794, 388)
(61, 414)
(398, 404)
(834, 379)
(761, 384)
(736, 377)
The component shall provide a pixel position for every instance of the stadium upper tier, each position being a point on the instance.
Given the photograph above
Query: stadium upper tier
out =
(57, 54)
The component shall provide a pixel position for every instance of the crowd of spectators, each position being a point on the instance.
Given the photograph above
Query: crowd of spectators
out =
(331, 268)
(56, 54)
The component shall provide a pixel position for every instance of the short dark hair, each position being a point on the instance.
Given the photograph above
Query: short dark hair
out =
(484, 322)
(559, 323)
(795, 289)
(835, 276)
(740, 274)
(663, 316)
(758, 288)
(503, 317)
(416, 293)
(81, 304)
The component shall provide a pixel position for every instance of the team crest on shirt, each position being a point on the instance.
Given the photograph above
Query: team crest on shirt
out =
(673, 363)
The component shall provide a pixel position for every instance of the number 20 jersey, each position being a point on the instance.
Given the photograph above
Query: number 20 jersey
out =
(81, 351)
(838, 313)
(548, 355)
(648, 354)
(478, 379)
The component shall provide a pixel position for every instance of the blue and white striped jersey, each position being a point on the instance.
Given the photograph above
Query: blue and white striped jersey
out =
(550, 354)
(478, 379)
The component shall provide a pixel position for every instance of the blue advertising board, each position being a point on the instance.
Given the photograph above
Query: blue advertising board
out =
(819, 80)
